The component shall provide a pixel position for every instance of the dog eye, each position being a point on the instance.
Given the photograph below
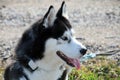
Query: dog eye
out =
(64, 38)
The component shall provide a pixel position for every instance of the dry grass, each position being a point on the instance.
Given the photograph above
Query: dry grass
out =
(97, 69)
(97, 21)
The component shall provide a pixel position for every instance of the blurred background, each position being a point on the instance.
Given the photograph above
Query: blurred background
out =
(96, 22)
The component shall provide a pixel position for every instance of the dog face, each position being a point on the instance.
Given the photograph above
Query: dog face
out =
(62, 38)
(53, 37)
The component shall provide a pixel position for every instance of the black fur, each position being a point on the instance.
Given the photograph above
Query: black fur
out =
(14, 72)
(63, 77)
(32, 45)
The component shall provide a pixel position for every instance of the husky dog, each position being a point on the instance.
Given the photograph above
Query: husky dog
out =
(48, 50)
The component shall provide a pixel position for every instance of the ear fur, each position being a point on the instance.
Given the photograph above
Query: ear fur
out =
(62, 11)
(49, 17)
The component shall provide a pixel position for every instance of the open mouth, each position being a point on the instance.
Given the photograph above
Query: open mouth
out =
(70, 61)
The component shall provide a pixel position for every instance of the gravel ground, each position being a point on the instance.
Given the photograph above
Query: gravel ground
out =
(97, 23)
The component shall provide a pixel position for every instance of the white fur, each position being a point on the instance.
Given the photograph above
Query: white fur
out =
(71, 49)
(49, 20)
(46, 71)
(49, 66)
(64, 12)
(22, 78)
(41, 74)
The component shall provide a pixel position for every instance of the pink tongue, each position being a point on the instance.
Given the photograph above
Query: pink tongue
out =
(76, 63)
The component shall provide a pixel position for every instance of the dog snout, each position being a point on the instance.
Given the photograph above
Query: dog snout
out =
(83, 51)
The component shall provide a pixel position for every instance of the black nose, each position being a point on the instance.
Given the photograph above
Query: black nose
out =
(83, 51)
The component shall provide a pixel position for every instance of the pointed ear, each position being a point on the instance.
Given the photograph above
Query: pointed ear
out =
(62, 11)
(49, 17)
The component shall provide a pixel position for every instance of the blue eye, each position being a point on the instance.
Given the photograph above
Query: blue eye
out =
(64, 38)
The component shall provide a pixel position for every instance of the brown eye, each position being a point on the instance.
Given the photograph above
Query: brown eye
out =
(64, 38)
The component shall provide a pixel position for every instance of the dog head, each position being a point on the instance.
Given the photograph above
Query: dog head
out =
(52, 36)
(62, 39)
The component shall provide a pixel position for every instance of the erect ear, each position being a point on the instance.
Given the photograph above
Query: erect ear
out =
(62, 11)
(49, 17)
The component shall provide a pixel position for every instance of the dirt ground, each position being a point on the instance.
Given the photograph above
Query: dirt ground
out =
(96, 22)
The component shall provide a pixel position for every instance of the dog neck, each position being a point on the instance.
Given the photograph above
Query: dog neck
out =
(49, 66)
(61, 71)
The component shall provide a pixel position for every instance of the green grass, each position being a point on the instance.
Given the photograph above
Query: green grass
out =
(94, 69)
(1, 73)
(97, 69)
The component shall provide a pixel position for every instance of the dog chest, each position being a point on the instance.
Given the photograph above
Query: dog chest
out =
(46, 75)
